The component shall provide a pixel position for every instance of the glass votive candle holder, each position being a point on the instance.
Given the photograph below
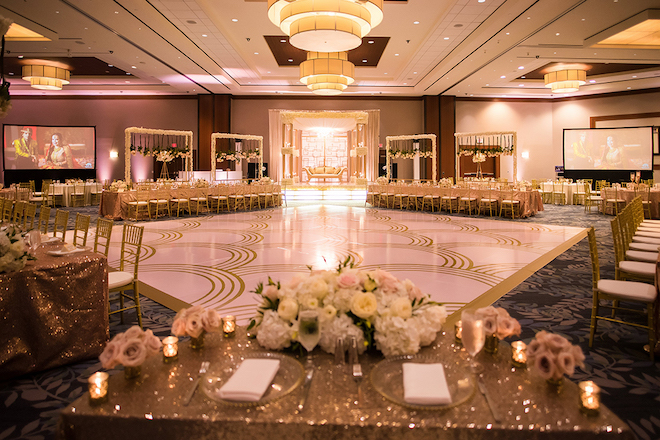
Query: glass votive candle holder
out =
(98, 387)
(589, 397)
(519, 354)
(170, 349)
(458, 332)
(229, 326)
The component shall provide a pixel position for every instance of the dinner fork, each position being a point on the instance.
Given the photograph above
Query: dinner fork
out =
(202, 370)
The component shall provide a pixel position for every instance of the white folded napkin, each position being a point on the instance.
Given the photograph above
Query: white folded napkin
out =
(425, 384)
(251, 380)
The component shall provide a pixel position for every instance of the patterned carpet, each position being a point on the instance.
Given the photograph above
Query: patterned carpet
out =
(556, 298)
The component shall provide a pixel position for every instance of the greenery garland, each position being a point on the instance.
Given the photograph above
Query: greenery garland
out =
(237, 155)
(153, 151)
(489, 152)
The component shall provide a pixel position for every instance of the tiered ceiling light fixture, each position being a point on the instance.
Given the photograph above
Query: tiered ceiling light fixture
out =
(565, 81)
(327, 73)
(44, 77)
(325, 25)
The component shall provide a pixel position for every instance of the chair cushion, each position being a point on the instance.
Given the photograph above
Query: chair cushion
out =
(628, 290)
(135, 202)
(638, 268)
(119, 279)
(649, 257)
(158, 201)
(648, 240)
(179, 200)
(647, 247)
(647, 234)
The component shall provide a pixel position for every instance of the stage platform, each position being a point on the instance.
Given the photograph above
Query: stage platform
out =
(324, 192)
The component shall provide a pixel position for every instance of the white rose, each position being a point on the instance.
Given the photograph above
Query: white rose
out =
(271, 292)
(317, 287)
(364, 304)
(328, 313)
(402, 307)
(18, 247)
(288, 309)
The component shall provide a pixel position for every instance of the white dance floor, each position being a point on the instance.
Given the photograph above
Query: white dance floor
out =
(217, 260)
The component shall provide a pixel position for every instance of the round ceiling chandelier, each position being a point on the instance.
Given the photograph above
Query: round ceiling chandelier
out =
(565, 81)
(45, 77)
(327, 73)
(326, 25)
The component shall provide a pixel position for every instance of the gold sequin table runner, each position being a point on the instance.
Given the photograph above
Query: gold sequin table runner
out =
(53, 312)
(152, 406)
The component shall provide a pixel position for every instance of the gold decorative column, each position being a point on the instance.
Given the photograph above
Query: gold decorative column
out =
(287, 155)
(361, 152)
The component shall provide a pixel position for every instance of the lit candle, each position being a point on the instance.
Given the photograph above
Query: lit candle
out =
(519, 354)
(589, 397)
(458, 332)
(98, 387)
(229, 326)
(170, 349)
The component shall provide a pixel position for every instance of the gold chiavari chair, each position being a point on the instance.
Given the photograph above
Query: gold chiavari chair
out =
(181, 200)
(77, 195)
(7, 210)
(29, 214)
(617, 291)
(140, 204)
(591, 199)
(44, 219)
(220, 198)
(95, 193)
(580, 194)
(61, 220)
(509, 203)
(612, 200)
(160, 203)
(448, 201)
(237, 197)
(488, 202)
(102, 236)
(467, 201)
(19, 210)
(125, 280)
(624, 269)
(558, 194)
(81, 229)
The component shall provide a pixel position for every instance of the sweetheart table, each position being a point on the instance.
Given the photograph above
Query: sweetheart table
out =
(337, 407)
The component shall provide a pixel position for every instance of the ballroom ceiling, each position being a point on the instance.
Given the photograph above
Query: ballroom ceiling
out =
(490, 48)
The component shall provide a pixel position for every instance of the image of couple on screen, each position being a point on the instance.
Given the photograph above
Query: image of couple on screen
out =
(54, 155)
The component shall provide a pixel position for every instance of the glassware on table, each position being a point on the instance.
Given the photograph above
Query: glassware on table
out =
(33, 240)
(309, 332)
(473, 336)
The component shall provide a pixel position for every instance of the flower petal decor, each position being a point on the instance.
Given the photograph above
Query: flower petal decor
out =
(380, 311)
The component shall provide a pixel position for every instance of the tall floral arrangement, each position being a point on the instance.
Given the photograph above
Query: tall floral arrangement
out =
(375, 307)
(479, 157)
(13, 250)
(164, 156)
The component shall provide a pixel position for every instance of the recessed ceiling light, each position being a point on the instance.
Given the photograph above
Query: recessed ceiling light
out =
(583, 19)
(396, 54)
(268, 71)
(414, 73)
(415, 22)
(133, 67)
(385, 73)
(557, 34)
(364, 61)
(503, 76)
(234, 20)
(116, 12)
(521, 67)
(20, 56)
(523, 77)
(592, 80)
(256, 53)
(481, 1)
(507, 33)
(405, 84)
(110, 65)
(446, 38)
(283, 40)
(487, 85)
(629, 88)
(291, 60)
(127, 82)
(371, 41)
(128, 73)
(634, 76)
(11, 73)
(204, 35)
(521, 85)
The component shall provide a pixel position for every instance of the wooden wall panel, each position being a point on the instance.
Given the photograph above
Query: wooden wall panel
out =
(446, 139)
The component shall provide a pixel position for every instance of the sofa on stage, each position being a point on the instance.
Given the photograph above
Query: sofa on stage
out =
(324, 172)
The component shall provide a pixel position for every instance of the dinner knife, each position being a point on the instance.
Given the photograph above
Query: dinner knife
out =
(305, 388)
(491, 404)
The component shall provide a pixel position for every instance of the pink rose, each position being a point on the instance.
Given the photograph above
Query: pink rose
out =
(578, 356)
(109, 357)
(271, 292)
(566, 362)
(556, 343)
(211, 321)
(535, 348)
(414, 292)
(348, 279)
(490, 324)
(507, 327)
(386, 282)
(132, 353)
(179, 327)
(194, 326)
(545, 364)
(133, 332)
(152, 343)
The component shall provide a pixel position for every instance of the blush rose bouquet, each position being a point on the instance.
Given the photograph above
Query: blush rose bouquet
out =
(375, 307)
(498, 322)
(130, 349)
(195, 322)
(553, 356)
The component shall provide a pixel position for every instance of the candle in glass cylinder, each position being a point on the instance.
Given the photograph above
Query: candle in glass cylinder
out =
(229, 326)
(98, 387)
(170, 349)
(589, 397)
(458, 332)
(519, 354)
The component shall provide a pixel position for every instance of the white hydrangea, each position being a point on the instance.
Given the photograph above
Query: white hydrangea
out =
(395, 336)
(341, 326)
(274, 333)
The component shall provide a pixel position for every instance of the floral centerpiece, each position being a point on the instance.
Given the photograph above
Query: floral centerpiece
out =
(498, 324)
(130, 349)
(165, 156)
(265, 180)
(13, 250)
(382, 180)
(478, 158)
(553, 356)
(201, 183)
(195, 322)
(118, 186)
(376, 308)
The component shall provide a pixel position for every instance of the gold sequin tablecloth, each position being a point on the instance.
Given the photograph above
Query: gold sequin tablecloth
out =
(151, 407)
(53, 312)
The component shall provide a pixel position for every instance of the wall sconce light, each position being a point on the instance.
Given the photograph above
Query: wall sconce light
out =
(525, 154)
(114, 154)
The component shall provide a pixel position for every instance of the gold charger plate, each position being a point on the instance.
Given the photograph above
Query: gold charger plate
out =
(387, 379)
(287, 379)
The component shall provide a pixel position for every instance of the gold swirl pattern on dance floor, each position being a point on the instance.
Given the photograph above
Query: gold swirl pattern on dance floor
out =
(217, 260)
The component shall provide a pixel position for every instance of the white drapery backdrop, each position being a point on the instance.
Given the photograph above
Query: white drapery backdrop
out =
(336, 120)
